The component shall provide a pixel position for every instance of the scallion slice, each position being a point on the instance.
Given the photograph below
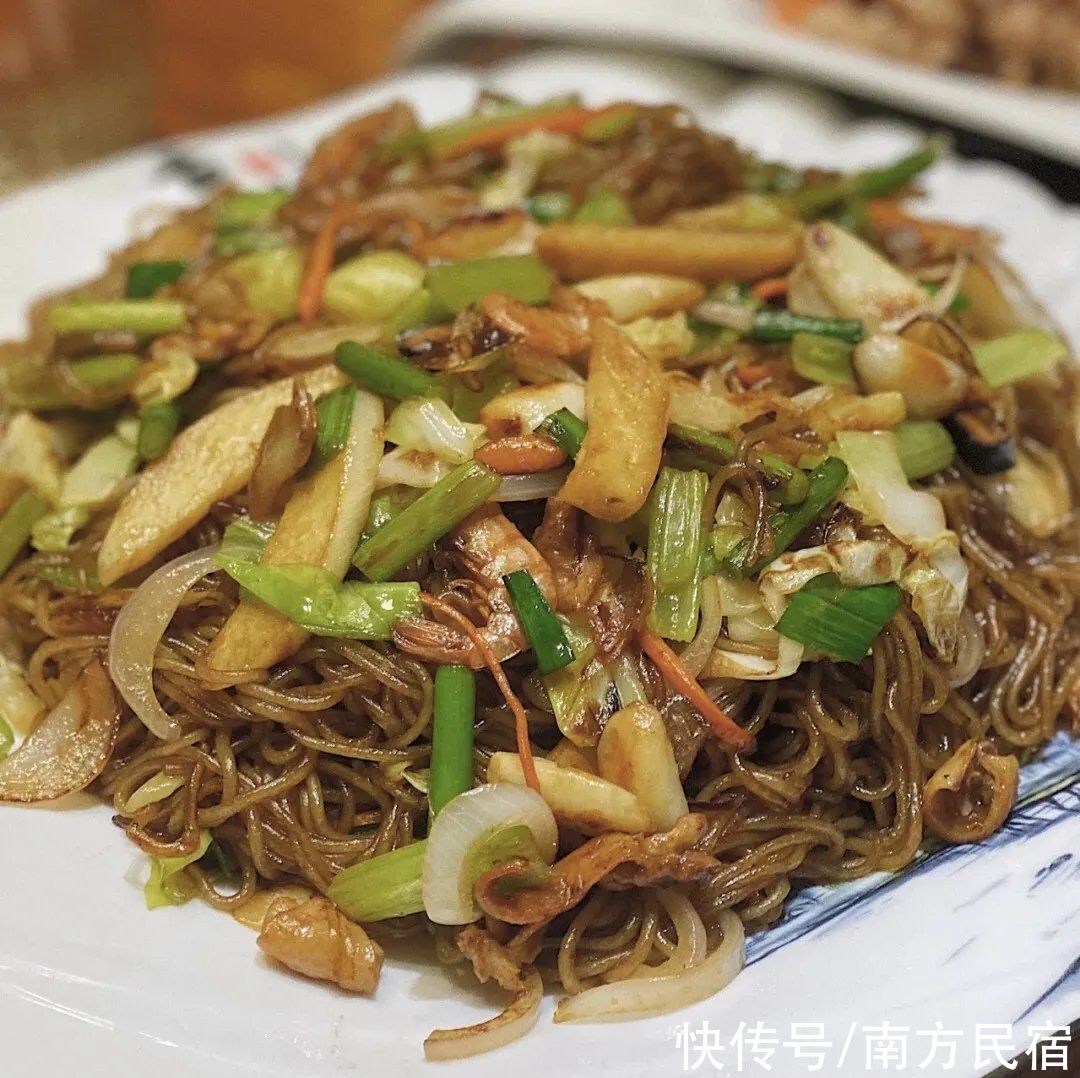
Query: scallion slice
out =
(105, 372)
(143, 317)
(249, 208)
(924, 446)
(158, 424)
(604, 207)
(335, 412)
(427, 519)
(825, 360)
(452, 735)
(387, 885)
(566, 429)
(389, 376)
(1018, 355)
(17, 523)
(543, 629)
(457, 285)
(774, 325)
(838, 621)
(145, 278)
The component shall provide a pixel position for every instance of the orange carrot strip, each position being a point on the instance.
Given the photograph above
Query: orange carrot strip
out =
(887, 214)
(676, 675)
(770, 288)
(521, 720)
(752, 373)
(320, 262)
(570, 121)
(518, 454)
(793, 12)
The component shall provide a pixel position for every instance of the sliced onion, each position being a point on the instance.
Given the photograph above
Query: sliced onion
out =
(696, 654)
(692, 941)
(154, 789)
(970, 651)
(70, 746)
(139, 627)
(459, 827)
(515, 1021)
(532, 487)
(659, 995)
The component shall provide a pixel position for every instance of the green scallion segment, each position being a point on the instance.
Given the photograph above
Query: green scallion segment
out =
(825, 483)
(1018, 355)
(7, 737)
(105, 372)
(545, 632)
(506, 844)
(717, 450)
(426, 520)
(566, 429)
(457, 285)
(825, 360)
(387, 885)
(781, 325)
(452, 735)
(145, 278)
(17, 523)
(249, 208)
(838, 621)
(604, 207)
(925, 447)
(674, 551)
(549, 206)
(335, 412)
(389, 376)
(143, 317)
(158, 424)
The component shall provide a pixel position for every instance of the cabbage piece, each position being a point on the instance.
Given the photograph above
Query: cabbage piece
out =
(28, 452)
(429, 424)
(168, 884)
(748, 620)
(20, 706)
(662, 338)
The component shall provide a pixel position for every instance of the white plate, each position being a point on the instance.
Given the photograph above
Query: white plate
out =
(740, 32)
(91, 983)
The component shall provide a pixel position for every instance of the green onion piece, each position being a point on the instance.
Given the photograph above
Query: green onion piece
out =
(249, 208)
(384, 886)
(505, 844)
(335, 412)
(961, 301)
(64, 578)
(103, 372)
(566, 429)
(838, 621)
(383, 510)
(604, 207)
(466, 403)
(717, 450)
(674, 551)
(168, 884)
(317, 601)
(452, 735)
(389, 376)
(7, 737)
(246, 241)
(426, 520)
(143, 317)
(457, 285)
(417, 310)
(725, 538)
(549, 206)
(781, 325)
(821, 359)
(924, 446)
(158, 424)
(543, 629)
(1018, 355)
(610, 123)
(826, 482)
(219, 860)
(145, 278)
(17, 523)
(245, 540)
(54, 531)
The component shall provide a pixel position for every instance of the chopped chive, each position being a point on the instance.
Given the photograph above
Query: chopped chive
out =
(838, 621)
(426, 520)
(825, 483)
(158, 424)
(781, 325)
(387, 885)
(145, 278)
(104, 372)
(545, 632)
(566, 429)
(143, 317)
(335, 412)
(452, 735)
(389, 376)
(17, 523)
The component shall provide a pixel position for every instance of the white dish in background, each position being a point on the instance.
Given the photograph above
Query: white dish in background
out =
(740, 32)
(91, 983)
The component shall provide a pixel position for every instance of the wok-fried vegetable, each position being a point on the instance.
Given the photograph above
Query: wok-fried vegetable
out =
(458, 285)
(389, 376)
(780, 325)
(1017, 356)
(145, 278)
(567, 430)
(822, 359)
(637, 295)
(143, 317)
(924, 446)
(158, 424)
(371, 287)
(168, 884)
(604, 207)
(270, 280)
(105, 372)
(17, 523)
(626, 405)
(452, 735)
(674, 550)
(380, 887)
(931, 384)
(546, 635)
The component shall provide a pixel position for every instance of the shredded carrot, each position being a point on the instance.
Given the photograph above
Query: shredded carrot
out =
(521, 721)
(518, 454)
(770, 288)
(750, 374)
(570, 121)
(793, 12)
(680, 679)
(320, 262)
